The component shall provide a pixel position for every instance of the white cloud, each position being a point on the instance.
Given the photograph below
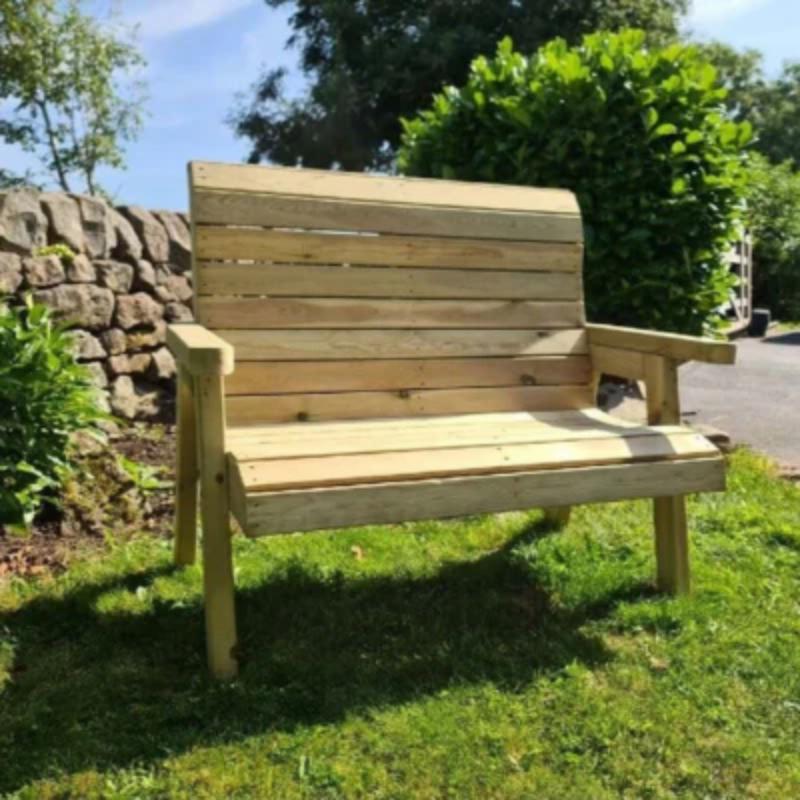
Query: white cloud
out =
(706, 12)
(161, 18)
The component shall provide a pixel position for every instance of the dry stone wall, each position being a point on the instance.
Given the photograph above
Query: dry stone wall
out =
(129, 278)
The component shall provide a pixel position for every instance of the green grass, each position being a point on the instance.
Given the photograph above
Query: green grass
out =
(482, 658)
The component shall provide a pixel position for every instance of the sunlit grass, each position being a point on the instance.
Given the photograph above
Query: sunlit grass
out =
(480, 658)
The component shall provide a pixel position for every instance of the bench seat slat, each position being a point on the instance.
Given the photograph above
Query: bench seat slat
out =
(308, 313)
(354, 440)
(262, 280)
(387, 503)
(218, 243)
(287, 377)
(359, 468)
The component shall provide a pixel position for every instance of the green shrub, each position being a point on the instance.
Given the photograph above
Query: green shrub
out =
(638, 134)
(774, 205)
(45, 396)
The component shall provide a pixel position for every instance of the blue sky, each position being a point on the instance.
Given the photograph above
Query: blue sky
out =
(200, 53)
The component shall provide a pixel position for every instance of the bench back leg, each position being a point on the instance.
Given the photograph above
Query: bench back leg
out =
(557, 517)
(218, 586)
(186, 473)
(672, 544)
(669, 513)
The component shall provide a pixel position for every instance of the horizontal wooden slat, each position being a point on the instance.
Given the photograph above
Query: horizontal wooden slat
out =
(358, 440)
(282, 377)
(302, 345)
(265, 313)
(381, 467)
(622, 363)
(306, 510)
(561, 419)
(361, 186)
(254, 409)
(293, 211)
(284, 247)
(398, 282)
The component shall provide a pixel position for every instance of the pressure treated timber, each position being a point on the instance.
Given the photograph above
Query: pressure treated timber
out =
(296, 441)
(614, 361)
(293, 211)
(670, 345)
(219, 243)
(252, 409)
(218, 582)
(335, 185)
(309, 313)
(669, 513)
(560, 420)
(307, 510)
(198, 350)
(286, 377)
(381, 467)
(382, 281)
(302, 345)
(187, 474)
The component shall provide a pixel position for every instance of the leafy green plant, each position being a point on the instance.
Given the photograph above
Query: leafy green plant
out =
(63, 251)
(639, 134)
(45, 396)
(144, 477)
(774, 203)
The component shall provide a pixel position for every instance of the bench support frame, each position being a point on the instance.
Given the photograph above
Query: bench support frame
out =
(204, 359)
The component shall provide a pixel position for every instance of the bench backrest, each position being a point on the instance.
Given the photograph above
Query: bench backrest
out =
(352, 296)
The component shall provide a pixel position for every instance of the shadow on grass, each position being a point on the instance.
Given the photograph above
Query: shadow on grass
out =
(97, 690)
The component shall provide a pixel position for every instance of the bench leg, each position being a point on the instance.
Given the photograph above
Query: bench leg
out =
(669, 513)
(557, 517)
(186, 473)
(672, 544)
(218, 584)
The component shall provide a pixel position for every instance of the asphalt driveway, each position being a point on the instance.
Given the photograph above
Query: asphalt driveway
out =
(757, 401)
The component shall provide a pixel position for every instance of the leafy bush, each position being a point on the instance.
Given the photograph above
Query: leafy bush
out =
(45, 396)
(638, 134)
(774, 202)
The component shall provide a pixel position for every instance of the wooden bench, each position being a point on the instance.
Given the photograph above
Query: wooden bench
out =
(378, 349)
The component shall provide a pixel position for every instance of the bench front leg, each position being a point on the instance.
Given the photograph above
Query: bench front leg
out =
(204, 358)
(669, 513)
(218, 584)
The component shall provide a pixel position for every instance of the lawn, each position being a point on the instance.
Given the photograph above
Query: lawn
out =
(480, 658)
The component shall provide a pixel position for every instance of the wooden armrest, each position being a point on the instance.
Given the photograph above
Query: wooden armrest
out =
(199, 350)
(658, 343)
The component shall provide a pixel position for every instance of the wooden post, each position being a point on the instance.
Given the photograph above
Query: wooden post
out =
(672, 541)
(557, 516)
(218, 585)
(186, 472)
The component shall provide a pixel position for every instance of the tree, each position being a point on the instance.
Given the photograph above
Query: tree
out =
(372, 62)
(777, 117)
(773, 107)
(740, 72)
(774, 218)
(62, 72)
(637, 133)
